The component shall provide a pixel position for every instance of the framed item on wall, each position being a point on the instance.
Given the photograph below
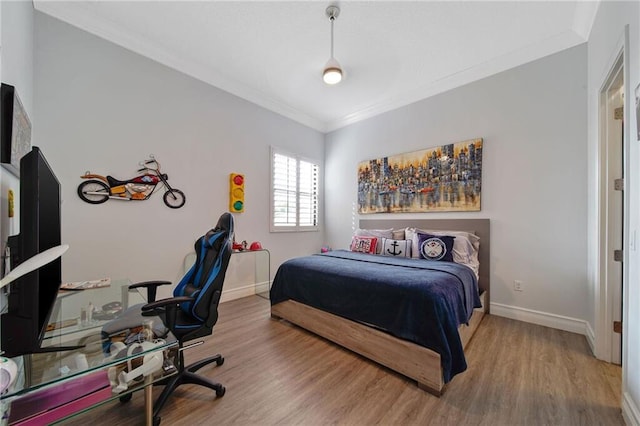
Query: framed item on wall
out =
(444, 178)
(15, 129)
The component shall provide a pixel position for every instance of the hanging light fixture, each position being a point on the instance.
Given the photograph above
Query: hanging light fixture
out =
(332, 73)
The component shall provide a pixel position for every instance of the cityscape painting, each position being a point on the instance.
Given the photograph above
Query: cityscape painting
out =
(440, 179)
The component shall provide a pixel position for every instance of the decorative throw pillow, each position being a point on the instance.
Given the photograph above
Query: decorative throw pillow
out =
(436, 247)
(400, 248)
(364, 244)
(378, 233)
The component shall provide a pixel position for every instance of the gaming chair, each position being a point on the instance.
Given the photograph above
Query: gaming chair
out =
(193, 311)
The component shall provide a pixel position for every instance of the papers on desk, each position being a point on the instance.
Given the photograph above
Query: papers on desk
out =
(86, 285)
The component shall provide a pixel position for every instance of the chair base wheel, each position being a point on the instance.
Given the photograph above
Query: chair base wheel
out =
(126, 398)
(220, 393)
(220, 361)
(156, 421)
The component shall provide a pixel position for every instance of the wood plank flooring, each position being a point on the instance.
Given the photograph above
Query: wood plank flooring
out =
(278, 374)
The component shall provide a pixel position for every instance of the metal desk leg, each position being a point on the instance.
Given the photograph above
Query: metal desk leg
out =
(148, 404)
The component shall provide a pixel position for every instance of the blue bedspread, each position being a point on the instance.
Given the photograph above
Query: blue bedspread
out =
(413, 299)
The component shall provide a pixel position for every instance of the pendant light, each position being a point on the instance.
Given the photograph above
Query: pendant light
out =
(332, 73)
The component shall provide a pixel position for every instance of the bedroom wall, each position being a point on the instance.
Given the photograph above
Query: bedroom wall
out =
(533, 121)
(605, 39)
(103, 108)
(16, 68)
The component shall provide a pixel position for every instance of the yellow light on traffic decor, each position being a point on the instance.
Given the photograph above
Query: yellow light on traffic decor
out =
(236, 193)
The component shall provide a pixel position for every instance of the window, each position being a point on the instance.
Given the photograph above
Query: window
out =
(294, 193)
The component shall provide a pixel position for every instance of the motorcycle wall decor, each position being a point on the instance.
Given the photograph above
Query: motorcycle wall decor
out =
(97, 189)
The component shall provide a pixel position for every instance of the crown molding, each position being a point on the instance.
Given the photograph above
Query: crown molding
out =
(513, 59)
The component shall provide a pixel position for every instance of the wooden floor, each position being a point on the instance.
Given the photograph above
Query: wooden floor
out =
(276, 373)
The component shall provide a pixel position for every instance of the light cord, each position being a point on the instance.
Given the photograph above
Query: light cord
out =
(332, 19)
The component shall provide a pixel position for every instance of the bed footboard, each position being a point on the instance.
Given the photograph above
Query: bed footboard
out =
(407, 358)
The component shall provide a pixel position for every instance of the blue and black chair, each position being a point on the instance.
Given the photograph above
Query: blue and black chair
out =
(193, 311)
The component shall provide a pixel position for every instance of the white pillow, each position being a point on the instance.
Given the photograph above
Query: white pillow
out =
(400, 248)
(465, 245)
(380, 233)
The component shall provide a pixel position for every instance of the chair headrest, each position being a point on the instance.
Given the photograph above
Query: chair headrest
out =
(225, 223)
(222, 231)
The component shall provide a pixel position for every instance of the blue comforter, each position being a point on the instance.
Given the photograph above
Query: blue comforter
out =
(413, 299)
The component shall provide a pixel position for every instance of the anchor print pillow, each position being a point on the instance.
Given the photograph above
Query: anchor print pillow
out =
(400, 248)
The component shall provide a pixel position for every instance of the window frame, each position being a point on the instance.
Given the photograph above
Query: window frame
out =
(295, 227)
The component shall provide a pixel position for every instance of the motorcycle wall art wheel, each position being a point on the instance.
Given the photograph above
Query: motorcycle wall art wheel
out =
(174, 198)
(93, 191)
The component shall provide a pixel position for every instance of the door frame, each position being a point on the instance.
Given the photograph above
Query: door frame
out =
(608, 294)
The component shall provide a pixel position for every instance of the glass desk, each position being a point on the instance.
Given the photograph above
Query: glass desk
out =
(253, 267)
(57, 385)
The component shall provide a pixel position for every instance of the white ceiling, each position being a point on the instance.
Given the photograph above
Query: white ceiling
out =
(393, 52)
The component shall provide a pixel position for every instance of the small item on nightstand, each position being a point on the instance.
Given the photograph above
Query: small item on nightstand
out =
(255, 246)
(239, 246)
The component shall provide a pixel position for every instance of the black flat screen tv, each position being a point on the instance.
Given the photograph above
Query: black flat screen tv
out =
(32, 296)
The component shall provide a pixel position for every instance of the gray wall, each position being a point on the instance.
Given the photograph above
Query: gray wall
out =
(104, 108)
(17, 70)
(533, 121)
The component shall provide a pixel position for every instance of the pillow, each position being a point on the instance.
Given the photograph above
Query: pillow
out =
(364, 244)
(465, 245)
(436, 247)
(401, 248)
(378, 233)
(398, 234)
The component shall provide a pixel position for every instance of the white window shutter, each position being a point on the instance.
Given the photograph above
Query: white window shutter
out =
(294, 197)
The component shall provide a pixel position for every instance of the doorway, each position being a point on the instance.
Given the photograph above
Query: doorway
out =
(612, 207)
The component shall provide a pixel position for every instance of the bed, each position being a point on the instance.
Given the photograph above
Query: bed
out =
(346, 305)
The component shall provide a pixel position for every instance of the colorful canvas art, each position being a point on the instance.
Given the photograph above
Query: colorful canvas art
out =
(440, 179)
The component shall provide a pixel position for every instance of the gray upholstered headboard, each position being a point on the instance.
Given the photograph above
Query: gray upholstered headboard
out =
(480, 227)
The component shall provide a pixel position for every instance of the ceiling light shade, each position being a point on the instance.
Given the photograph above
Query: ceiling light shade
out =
(332, 73)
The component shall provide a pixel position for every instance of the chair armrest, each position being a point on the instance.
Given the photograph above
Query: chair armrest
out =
(151, 286)
(167, 306)
(166, 302)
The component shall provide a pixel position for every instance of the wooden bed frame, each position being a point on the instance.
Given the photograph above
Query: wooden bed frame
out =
(412, 360)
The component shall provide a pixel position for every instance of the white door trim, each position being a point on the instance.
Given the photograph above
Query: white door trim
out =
(605, 295)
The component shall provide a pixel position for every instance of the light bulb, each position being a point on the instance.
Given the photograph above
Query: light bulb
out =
(332, 73)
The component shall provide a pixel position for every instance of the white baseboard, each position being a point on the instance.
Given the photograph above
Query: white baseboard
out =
(541, 318)
(630, 411)
(591, 338)
(244, 291)
(237, 293)
(263, 287)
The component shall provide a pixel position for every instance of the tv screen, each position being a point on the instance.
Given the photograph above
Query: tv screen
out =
(32, 296)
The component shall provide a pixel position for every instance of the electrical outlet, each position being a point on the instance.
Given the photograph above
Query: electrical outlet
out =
(518, 285)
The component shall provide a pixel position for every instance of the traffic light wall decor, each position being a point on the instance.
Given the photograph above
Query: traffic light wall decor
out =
(236, 193)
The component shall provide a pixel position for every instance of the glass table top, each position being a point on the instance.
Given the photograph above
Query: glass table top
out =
(77, 319)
